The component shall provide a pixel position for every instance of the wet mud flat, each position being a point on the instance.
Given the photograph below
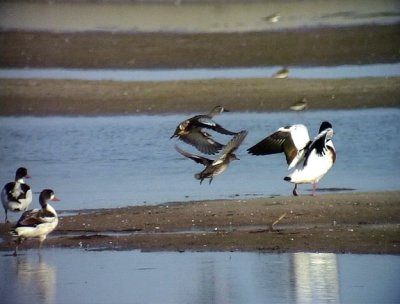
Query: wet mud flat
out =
(74, 97)
(338, 223)
(326, 46)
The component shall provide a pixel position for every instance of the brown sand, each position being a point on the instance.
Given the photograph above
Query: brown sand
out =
(320, 46)
(323, 46)
(346, 222)
(59, 97)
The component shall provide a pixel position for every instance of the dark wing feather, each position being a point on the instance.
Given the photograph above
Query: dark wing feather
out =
(207, 122)
(319, 144)
(278, 142)
(29, 221)
(202, 141)
(198, 159)
(218, 128)
(9, 190)
(29, 218)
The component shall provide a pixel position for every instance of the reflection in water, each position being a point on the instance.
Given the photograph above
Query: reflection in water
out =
(34, 280)
(315, 277)
(75, 276)
(38, 274)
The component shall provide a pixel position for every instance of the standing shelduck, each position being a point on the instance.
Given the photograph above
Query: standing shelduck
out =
(16, 196)
(311, 160)
(37, 223)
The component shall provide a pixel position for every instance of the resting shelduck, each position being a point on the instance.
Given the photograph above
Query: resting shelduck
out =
(311, 160)
(16, 196)
(37, 223)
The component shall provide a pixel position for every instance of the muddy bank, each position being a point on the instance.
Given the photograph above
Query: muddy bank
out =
(347, 222)
(319, 46)
(69, 97)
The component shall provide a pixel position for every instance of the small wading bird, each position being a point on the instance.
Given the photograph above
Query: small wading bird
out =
(216, 167)
(283, 73)
(311, 160)
(299, 105)
(16, 196)
(37, 223)
(273, 18)
(191, 131)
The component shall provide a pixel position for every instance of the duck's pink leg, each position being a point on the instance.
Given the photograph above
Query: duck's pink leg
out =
(314, 189)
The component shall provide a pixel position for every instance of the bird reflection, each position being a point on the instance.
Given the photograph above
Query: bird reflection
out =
(316, 277)
(38, 276)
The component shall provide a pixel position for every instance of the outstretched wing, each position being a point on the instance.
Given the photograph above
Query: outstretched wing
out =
(198, 159)
(234, 143)
(204, 121)
(290, 140)
(202, 141)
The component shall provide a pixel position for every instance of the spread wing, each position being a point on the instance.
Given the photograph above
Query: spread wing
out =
(290, 140)
(202, 141)
(206, 122)
(234, 143)
(198, 159)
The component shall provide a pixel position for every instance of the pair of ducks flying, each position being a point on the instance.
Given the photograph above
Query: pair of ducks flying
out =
(310, 159)
(192, 132)
(37, 223)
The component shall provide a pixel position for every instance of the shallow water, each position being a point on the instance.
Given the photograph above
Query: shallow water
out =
(75, 276)
(319, 72)
(114, 161)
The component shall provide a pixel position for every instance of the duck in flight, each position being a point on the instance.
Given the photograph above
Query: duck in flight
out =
(216, 167)
(17, 195)
(311, 159)
(192, 131)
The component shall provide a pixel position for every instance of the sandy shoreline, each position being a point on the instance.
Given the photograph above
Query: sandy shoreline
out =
(69, 97)
(345, 222)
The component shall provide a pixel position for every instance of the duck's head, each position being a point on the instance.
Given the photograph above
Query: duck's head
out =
(217, 110)
(232, 156)
(45, 196)
(325, 125)
(327, 128)
(181, 129)
(21, 173)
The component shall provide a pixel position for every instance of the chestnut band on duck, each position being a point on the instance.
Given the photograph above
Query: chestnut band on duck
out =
(37, 223)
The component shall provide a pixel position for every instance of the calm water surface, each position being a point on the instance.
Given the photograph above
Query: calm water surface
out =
(115, 161)
(319, 72)
(74, 276)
